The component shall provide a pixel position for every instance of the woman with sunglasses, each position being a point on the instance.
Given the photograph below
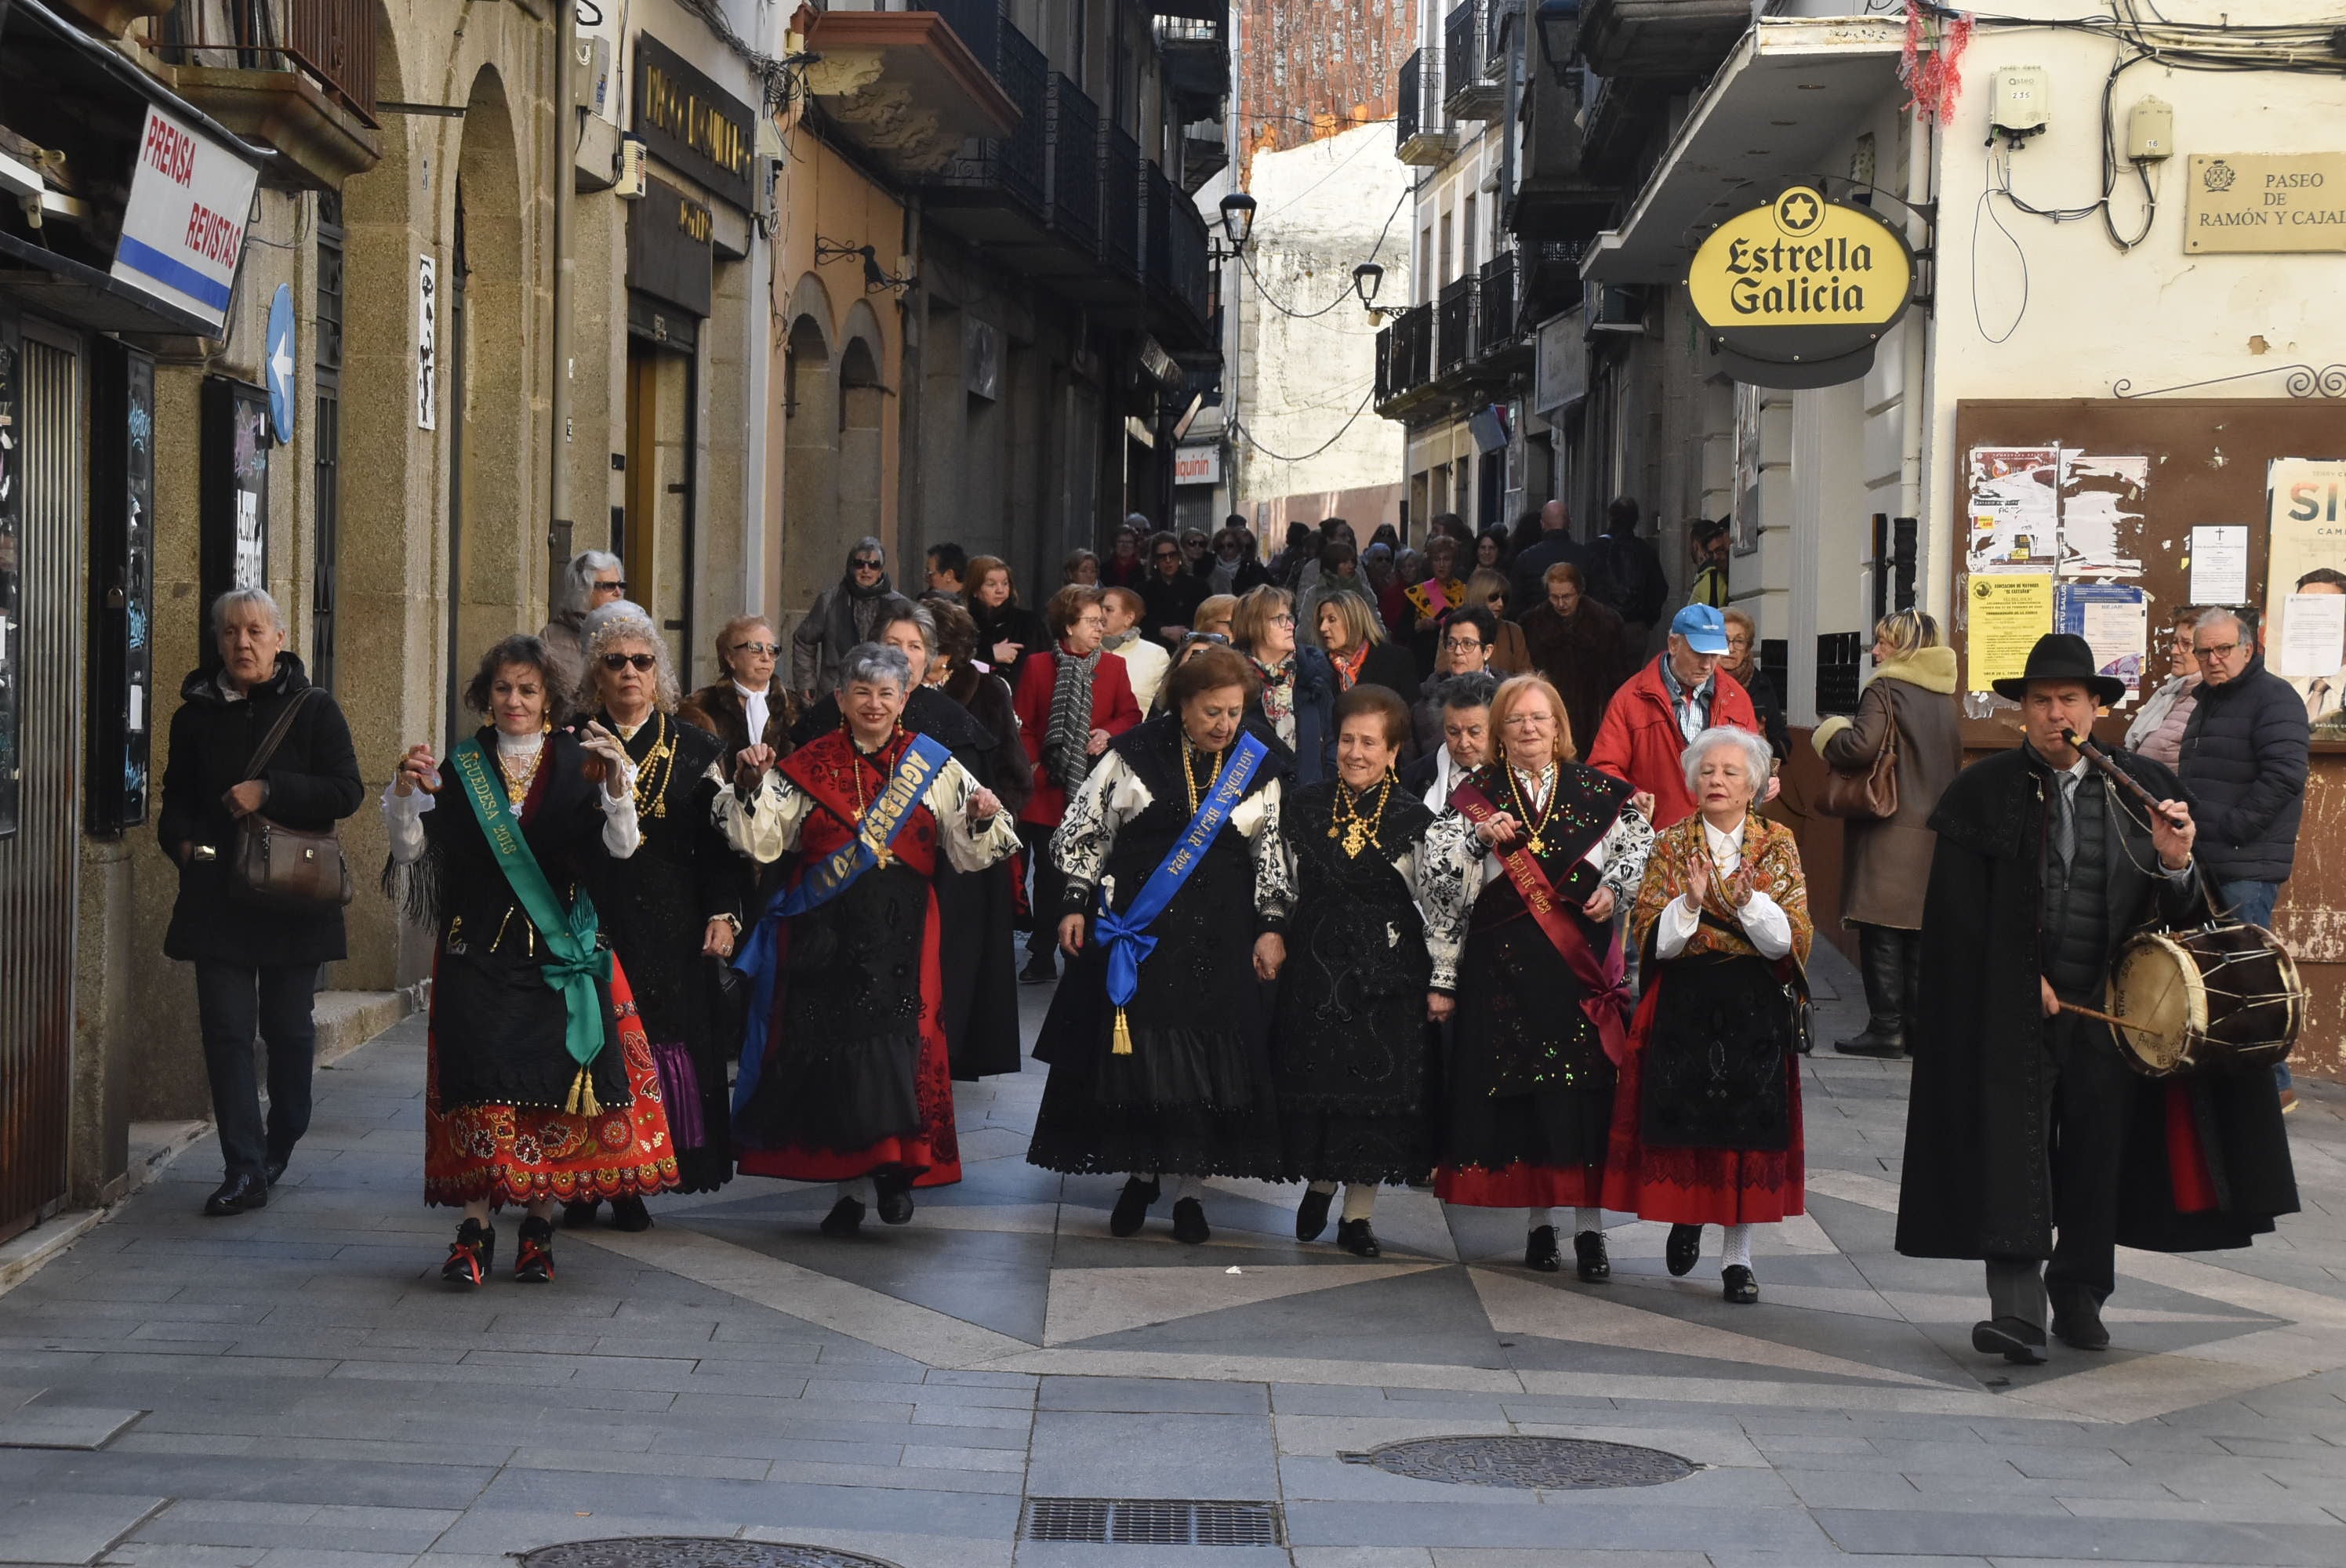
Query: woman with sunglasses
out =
(1511, 653)
(840, 619)
(676, 903)
(748, 708)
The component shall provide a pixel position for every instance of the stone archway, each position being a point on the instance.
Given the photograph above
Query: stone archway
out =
(810, 439)
(863, 404)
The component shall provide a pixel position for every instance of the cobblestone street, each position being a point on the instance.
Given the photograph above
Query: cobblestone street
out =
(297, 1388)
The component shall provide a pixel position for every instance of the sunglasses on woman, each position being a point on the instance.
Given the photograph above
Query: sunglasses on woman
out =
(758, 647)
(643, 662)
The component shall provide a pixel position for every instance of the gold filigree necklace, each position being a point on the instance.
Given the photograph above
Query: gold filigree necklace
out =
(1346, 818)
(882, 856)
(1536, 821)
(657, 768)
(518, 784)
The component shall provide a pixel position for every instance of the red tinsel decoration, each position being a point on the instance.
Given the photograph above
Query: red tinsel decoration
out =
(1932, 63)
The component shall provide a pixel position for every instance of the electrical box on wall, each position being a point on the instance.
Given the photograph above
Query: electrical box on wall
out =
(590, 75)
(2150, 130)
(2021, 101)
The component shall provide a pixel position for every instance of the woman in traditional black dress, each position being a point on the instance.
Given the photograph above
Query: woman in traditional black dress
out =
(1175, 1080)
(844, 1075)
(1539, 1012)
(673, 909)
(1352, 1057)
(539, 1086)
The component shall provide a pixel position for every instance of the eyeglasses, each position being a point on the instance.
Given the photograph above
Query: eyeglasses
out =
(1167, 556)
(1216, 637)
(616, 586)
(758, 647)
(643, 662)
(862, 565)
(2217, 650)
(1285, 618)
(1464, 645)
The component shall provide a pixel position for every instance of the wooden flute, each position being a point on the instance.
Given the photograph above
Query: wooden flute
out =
(2091, 752)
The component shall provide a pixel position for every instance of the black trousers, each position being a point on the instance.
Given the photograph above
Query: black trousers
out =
(2088, 1090)
(1050, 889)
(233, 1002)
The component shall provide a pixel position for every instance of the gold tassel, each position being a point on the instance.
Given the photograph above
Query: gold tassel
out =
(582, 1101)
(1122, 1043)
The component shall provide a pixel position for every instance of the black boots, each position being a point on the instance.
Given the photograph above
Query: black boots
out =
(472, 1257)
(1311, 1214)
(533, 1257)
(1882, 960)
(1132, 1205)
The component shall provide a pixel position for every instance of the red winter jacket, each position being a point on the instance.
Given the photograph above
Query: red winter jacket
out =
(1113, 709)
(1641, 741)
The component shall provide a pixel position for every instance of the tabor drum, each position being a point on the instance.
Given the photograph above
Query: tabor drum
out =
(2217, 1001)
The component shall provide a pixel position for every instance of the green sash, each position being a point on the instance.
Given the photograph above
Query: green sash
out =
(579, 961)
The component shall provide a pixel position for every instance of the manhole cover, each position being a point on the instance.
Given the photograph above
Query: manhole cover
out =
(693, 1552)
(1528, 1463)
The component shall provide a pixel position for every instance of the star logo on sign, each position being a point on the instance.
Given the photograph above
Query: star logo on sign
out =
(1798, 212)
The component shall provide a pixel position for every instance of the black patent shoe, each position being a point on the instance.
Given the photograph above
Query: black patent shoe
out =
(1739, 1285)
(471, 1258)
(237, 1194)
(1355, 1238)
(629, 1214)
(895, 1199)
(2022, 1344)
(579, 1216)
(2079, 1325)
(1596, 1263)
(1189, 1222)
(1683, 1248)
(1131, 1207)
(533, 1254)
(845, 1218)
(1540, 1251)
(1311, 1214)
(272, 1169)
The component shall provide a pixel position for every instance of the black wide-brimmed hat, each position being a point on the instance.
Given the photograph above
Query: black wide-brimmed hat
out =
(2064, 655)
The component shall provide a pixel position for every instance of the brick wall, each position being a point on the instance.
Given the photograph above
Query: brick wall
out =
(1308, 69)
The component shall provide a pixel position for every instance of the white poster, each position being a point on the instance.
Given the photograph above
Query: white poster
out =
(2312, 635)
(2304, 555)
(427, 338)
(2101, 513)
(2014, 500)
(183, 225)
(2219, 564)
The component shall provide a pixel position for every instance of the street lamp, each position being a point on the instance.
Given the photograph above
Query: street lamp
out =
(1559, 31)
(1366, 277)
(1237, 223)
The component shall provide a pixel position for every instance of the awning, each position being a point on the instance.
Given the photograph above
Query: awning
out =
(66, 288)
(1775, 111)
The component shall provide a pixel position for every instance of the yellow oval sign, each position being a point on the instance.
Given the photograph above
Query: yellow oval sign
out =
(1802, 260)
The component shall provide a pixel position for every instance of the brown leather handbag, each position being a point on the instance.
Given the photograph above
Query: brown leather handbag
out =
(280, 867)
(1871, 795)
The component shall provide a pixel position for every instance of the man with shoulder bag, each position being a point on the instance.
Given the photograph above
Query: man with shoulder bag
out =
(261, 768)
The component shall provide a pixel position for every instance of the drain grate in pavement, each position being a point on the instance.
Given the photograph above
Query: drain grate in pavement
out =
(1528, 1463)
(693, 1551)
(1150, 1521)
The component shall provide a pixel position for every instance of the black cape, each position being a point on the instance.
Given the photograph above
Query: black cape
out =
(1977, 1179)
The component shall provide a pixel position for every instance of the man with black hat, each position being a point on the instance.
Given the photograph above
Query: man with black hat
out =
(2027, 1137)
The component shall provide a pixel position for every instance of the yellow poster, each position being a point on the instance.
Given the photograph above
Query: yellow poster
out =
(2006, 614)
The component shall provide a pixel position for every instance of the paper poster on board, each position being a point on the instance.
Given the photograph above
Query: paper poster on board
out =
(2102, 504)
(2006, 614)
(2219, 564)
(2305, 563)
(2014, 500)
(2115, 620)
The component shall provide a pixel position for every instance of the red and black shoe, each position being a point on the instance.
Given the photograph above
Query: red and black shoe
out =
(474, 1253)
(534, 1257)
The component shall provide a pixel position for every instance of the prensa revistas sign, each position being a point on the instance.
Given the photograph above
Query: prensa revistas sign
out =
(1796, 291)
(183, 225)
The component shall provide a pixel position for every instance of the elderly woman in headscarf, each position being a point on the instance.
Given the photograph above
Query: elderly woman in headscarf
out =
(591, 579)
(672, 910)
(840, 617)
(1707, 1117)
(845, 1076)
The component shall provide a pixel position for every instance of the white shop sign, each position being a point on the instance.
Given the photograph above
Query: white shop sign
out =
(183, 226)
(1199, 465)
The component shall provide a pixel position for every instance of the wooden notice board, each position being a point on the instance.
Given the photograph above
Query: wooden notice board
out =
(2206, 463)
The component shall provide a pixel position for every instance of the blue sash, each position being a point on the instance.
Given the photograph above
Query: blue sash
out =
(821, 881)
(1127, 934)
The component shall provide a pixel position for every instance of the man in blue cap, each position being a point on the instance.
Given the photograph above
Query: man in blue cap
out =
(1678, 695)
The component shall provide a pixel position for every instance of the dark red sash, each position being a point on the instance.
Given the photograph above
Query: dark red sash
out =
(1607, 997)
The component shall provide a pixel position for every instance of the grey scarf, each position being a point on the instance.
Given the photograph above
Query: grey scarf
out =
(1066, 744)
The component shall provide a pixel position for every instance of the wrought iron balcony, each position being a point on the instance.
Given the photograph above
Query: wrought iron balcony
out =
(1473, 87)
(1550, 277)
(996, 190)
(1384, 364)
(1661, 40)
(1178, 273)
(296, 75)
(1454, 325)
(1205, 153)
(1196, 51)
(1423, 133)
(1408, 360)
(1120, 209)
(1071, 145)
(1498, 324)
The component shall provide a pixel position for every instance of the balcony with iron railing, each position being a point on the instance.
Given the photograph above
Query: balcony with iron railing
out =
(1473, 87)
(997, 189)
(1423, 135)
(1382, 392)
(1454, 325)
(1177, 272)
(1071, 149)
(1498, 324)
(1408, 358)
(1120, 205)
(1205, 153)
(296, 75)
(1196, 53)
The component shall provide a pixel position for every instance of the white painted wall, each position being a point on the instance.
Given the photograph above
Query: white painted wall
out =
(1320, 210)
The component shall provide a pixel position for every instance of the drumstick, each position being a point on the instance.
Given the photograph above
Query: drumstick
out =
(2130, 1027)
(2093, 753)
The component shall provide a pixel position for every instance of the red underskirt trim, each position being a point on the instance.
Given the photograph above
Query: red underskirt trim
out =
(795, 1164)
(2187, 1160)
(1520, 1187)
